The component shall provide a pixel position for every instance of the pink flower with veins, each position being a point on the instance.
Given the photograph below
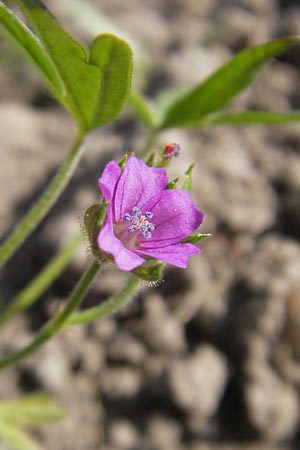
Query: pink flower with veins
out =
(144, 217)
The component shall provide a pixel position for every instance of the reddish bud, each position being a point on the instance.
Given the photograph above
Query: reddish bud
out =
(171, 149)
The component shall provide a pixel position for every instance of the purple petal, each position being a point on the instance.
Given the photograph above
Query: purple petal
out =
(175, 217)
(138, 183)
(109, 180)
(177, 254)
(125, 259)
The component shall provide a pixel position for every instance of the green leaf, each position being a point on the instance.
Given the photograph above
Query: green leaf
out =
(114, 59)
(16, 438)
(142, 108)
(69, 57)
(32, 48)
(95, 84)
(252, 117)
(222, 86)
(33, 409)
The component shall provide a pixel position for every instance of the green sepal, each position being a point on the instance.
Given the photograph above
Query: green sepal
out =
(93, 219)
(123, 161)
(187, 183)
(173, 183)
(194, 238)
(151, 160)
(152, 270)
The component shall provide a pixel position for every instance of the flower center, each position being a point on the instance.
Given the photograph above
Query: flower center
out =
(139, 222)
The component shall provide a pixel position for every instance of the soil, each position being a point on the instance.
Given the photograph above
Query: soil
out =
(209, 359)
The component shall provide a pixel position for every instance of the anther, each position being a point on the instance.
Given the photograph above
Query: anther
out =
(139, 222)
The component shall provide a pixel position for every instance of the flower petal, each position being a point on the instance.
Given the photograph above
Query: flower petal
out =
(138, 183)
(109, 179)
(175, 217)
(177, 254)
(125, 259)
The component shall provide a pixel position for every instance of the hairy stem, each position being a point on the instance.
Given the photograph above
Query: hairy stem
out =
(30, 294)
(43, 205)
(58, 321)
(110, 306)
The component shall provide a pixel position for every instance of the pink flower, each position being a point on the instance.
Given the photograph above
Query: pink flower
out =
(144, 218)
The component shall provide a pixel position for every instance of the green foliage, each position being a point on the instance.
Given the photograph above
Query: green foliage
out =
(252, 117)
(221, 87)
(201, 105)
(93, 85)
(187, 183)
(173, 183)
(143, 109)
(32, 47)
(194, 238)
(151, 271)
(93, 219)
(32, 410)
(16, 438)
(47, 275)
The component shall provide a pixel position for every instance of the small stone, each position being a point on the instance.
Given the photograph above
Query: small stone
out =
(165, 334)
(272, 405)
(163, 433)
(126, 348)
(120, 382)
(123, 435)
(197, 382)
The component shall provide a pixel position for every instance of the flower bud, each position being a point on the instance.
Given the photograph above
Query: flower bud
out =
(170, 150)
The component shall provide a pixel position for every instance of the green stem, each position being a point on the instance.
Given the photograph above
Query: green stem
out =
(57, 323)
(148, 144)
(108, 307)
(43, 205)
(42, 281)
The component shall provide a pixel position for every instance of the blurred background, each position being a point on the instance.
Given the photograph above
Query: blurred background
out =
(209, 359)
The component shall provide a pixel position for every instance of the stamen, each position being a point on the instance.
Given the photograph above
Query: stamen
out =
(147, 234)
(136, 211)
(135, 219)
(139, 222)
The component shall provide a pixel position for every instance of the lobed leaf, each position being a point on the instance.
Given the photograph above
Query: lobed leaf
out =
(113, 57)
(222, 86)
(94, 85)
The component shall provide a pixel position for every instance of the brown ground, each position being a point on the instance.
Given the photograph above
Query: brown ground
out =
(210, 359)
